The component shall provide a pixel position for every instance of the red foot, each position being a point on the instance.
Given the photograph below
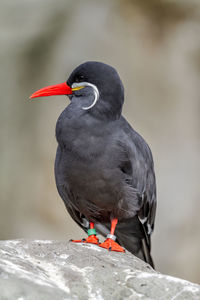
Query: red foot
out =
(111, 245)
(92, 239)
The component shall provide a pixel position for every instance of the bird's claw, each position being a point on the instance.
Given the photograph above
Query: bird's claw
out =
(92, 239)
(111, 245)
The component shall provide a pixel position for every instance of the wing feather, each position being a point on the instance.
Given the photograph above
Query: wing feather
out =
(142, 177)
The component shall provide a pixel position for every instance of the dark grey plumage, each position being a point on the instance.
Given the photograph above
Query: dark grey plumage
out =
(104, 168)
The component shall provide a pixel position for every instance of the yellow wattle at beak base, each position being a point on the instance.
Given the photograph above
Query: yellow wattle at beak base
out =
(77, 88)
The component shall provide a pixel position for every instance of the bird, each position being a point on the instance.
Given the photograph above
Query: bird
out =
(104, 169)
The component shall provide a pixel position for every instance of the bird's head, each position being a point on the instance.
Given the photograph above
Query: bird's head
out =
(93, 85)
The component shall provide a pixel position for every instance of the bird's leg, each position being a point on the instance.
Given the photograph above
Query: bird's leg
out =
(92, 238)
(110, 243)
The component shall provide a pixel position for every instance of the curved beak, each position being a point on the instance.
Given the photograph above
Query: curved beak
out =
(52, 90)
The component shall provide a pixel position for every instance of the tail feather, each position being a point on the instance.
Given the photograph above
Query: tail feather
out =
(147, 254)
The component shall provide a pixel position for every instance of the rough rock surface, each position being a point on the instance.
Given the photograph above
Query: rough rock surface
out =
(37, 269)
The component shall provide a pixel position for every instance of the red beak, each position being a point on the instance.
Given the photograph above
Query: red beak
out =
(51, 90)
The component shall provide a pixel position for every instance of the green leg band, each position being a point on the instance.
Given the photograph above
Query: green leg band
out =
(91, 231)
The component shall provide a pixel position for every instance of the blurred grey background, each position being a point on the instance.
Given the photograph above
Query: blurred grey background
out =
(155, 46)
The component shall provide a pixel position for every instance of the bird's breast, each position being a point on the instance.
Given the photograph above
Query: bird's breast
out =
(82, 136)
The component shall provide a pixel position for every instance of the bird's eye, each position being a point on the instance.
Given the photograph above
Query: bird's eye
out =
(79, 78)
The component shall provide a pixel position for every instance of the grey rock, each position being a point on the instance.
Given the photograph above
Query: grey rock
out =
(35, 269)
